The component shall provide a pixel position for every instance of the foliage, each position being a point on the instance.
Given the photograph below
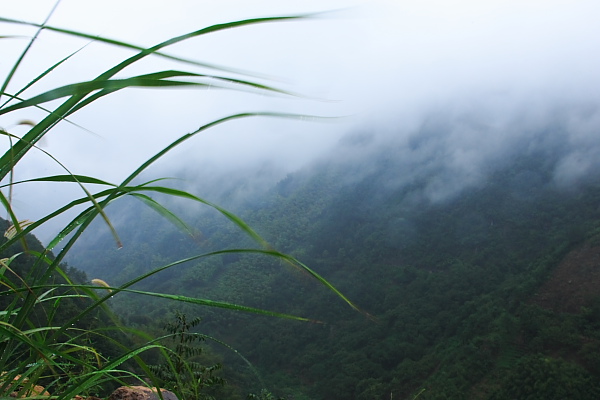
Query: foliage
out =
(264, 395)
(181, 374)
(538, 377)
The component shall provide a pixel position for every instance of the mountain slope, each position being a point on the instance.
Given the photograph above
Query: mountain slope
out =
(449, 284)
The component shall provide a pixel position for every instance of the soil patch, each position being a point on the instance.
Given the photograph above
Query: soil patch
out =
(574, 283)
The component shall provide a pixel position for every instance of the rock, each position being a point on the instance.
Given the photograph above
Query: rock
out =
(140, 393)
(35, 390)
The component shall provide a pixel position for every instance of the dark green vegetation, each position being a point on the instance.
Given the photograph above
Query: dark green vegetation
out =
(91, 341)
(185, 376)
(452, 291)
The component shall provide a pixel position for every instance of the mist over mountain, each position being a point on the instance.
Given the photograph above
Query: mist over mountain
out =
(392, 174)
(454, 87)
(438, 153)
(450, 234)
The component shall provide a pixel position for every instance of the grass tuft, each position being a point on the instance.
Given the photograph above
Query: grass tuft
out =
(49, 331)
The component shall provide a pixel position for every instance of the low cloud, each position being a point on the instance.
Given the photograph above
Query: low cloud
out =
(449, 90)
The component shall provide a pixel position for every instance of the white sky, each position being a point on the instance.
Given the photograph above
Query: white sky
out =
(383, 62)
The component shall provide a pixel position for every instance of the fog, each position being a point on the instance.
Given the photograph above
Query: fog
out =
(452, 89)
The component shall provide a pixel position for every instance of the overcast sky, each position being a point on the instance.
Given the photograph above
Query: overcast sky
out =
(382, 63)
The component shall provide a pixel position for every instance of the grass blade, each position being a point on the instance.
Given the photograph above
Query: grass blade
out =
(26, 50)
(17, 151)
(119, 43)
(64, 178)
(164, 212)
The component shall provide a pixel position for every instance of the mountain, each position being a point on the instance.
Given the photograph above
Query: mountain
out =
(476, 289)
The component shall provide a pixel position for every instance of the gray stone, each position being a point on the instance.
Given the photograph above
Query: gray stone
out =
(140, 393)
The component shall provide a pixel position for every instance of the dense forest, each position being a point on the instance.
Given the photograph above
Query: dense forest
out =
(489, 292)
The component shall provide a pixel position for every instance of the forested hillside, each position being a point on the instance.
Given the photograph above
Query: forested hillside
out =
(462, 296)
